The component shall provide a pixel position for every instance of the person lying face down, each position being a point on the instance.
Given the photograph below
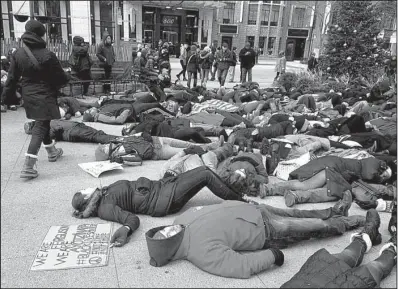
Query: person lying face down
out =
(336, 173)
(72, 131)
(344, 269)
(71, 106)
(147, 148)
(120, 201)
(119, 112)
(213, 237)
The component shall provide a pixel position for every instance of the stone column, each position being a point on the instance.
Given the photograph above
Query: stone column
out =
(126, 24)
(201, 17)
(279, 31)
(5, 19)
(138, 21)
(64, 21)
(268, 29)
(98, 36)
(258, 24)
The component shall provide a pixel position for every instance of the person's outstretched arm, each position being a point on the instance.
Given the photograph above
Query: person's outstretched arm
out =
(120, 119)
(113, 213)
(221, 260)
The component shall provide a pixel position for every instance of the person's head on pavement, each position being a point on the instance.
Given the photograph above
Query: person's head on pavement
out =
(163, 242)
(85, 203)
(89, 114)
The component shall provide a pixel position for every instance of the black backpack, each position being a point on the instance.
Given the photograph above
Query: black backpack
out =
(74, 62)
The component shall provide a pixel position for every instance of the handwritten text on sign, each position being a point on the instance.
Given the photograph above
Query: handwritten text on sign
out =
(74, 246)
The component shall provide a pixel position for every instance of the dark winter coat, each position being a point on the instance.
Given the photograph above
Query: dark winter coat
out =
(323, 270)
(105, 52)
(213, 239)
(81, 54)
(123, 199)
(206, 60)
(224, 59)
(192, 62)
(39, 87)
(247, 61)
(72, 103)
(59, 129)
(312, 63)
(340, 172)
(234, 58)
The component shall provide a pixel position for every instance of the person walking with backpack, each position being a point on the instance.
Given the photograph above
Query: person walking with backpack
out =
(247, 57)
(80, 62)
(40, 75)
(106, 56)
(183, 61)
(223, 59)
(192, 66)
(206, 62)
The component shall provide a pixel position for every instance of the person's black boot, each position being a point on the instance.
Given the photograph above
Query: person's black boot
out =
(372, 226)
(249, 147)
(265, 147)
(342, 206)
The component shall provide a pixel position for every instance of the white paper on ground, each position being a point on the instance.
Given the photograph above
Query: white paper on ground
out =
(74, 246)
(97, 168)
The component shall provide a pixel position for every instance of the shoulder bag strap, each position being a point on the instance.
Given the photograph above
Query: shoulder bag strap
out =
(36, 64)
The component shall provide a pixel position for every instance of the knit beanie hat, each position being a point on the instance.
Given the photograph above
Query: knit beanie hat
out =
(78, 40)
(336, 99)
(78, 201)
(35, 27)
(87, 117)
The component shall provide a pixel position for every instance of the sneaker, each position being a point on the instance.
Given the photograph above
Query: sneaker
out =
(342, 206)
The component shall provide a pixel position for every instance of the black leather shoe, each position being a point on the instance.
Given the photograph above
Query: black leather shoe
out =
(372, 225)
(342, 206)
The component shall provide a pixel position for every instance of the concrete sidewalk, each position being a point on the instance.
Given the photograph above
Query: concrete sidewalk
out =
(30, 207)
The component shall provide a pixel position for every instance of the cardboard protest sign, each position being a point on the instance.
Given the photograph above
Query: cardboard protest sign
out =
(97, 168)
(75, 246)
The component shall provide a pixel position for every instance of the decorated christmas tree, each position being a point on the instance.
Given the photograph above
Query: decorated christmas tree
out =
(353, 47)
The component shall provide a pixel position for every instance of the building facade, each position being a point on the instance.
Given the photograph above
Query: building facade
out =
(295, 27)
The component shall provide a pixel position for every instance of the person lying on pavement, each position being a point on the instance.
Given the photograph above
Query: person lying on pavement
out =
(344, 269)
(213, 237)
(120, 201)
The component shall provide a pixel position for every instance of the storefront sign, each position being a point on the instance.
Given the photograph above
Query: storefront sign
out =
(228, 29)
(298, 32)
(169, 20)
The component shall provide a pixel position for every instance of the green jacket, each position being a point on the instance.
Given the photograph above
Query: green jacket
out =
(215, 235)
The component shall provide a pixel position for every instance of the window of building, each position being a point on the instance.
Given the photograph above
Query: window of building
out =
(252, 15)
(261, 44)
(276, 2)
(274, 16)
(265, 10)
(271, 45)
(204, 33)
(250, 39)
(228, 14)
(106, 16)
(53, 11)
(132, 30)
(298, 17)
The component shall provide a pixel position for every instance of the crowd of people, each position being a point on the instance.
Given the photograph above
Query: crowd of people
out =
(325, 147)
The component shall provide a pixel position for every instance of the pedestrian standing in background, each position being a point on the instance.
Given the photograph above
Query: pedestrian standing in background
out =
(82, 62)
(280, 66)
(40, 75)
(312, 63)
(206, 62)
(214, 68)
(134, 54)
(223, 60)
(247, 57)
(231, 71)
(183, 60)
(106, 56)
(192, 66)
(178, 50)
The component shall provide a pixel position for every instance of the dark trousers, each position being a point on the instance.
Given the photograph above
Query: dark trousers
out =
(195, 79)
(188, 184)
(148, 107)
(378, 269)
(108, 73)
(84, 133)
(232, 119)
(184, 69)
(40, 134)
(284, 226)
(84, 75)
(191, 134)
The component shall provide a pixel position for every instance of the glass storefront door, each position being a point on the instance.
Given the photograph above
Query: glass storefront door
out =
(170, 36)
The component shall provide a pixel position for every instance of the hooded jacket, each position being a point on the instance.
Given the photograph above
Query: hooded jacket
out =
(224, 59)
(39, 87)
(323, 270)
(80, 52)
(247, 61)
(105, 52)
(212, 239)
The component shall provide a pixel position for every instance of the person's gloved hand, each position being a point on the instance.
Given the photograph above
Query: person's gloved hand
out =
(366, 205)
(78, 114)
(120, 236)
(279, 256)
